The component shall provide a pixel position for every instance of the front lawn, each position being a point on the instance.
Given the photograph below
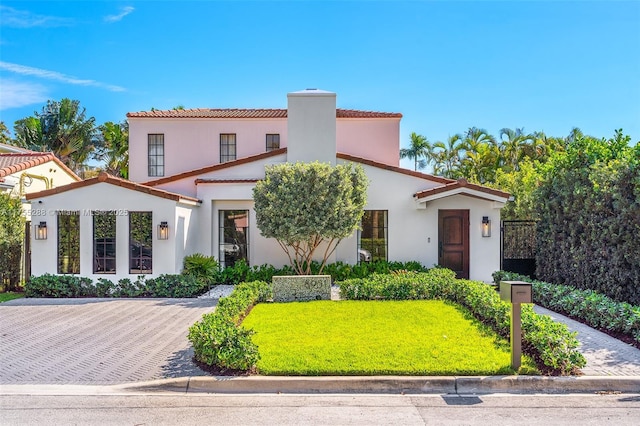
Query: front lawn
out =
(5, 297)
(423, 337)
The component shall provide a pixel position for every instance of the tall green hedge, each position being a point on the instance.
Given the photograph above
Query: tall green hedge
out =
(589, 210)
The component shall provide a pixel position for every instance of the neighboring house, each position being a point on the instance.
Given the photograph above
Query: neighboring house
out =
(194, 171)
(24, 172)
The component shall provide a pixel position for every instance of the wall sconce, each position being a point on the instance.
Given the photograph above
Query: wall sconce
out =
(41, 231)
(486, 226)
(163, 231)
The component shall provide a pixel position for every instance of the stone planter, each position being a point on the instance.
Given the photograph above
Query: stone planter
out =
(299, 288)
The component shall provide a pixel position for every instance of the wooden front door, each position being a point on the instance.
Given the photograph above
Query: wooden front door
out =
(453, 241)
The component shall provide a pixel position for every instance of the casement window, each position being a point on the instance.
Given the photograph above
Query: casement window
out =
(140, 242)
(156, 155)
(273, 142)
(233, 236)
(373, 236)
(104, 242)
(68, 242)
(227, 147)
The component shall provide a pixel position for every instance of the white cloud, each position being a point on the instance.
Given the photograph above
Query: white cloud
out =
(124, 12)
(53, 75)
(16, 94)
(10, 17)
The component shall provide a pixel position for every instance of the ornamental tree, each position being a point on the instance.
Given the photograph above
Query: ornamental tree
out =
(309, 207)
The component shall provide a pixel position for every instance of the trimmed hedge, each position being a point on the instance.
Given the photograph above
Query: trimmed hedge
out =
(219, 340)
(48, 285)
(550, 343)
(589, 211)
(591, 307)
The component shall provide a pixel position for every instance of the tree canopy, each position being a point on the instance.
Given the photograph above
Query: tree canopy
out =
(310, 206)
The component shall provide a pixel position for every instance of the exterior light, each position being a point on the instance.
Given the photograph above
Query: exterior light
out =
(163, 231)
(41, 231)
(486, 226)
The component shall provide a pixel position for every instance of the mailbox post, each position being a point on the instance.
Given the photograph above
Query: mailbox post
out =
(516, 292)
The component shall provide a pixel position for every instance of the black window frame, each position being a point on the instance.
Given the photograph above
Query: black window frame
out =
(233, 245)
(155, 160)
(104, 245)
(225, 147)
(272, 141)
(140, 254)
(376, 250)
(68, 244)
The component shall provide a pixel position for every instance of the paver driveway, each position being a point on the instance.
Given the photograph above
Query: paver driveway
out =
(97, 341)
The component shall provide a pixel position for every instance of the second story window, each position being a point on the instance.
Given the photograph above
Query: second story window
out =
(156, 155)
(273, 142)
(227, 147)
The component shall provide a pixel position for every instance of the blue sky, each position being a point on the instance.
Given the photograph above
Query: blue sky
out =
(446, 66)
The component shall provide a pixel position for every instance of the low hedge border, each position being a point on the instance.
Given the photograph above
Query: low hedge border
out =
(588, 306)
(218, 339)
(48, 285)
(551, 344)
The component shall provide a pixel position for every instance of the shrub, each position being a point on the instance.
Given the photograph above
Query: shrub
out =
(203, 268)
(550, 343)
(589, 306)
(48, 285)
(218, 340)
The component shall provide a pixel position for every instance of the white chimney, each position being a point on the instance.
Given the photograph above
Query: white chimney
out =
(311, 126)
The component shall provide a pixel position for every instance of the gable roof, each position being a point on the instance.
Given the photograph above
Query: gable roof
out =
(395, 169)
(107, 178)
(12, 148)
(250, 113)
(16, 162)
(461, 186)
(216, 167)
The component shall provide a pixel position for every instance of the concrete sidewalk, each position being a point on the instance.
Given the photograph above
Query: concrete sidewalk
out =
(606, 356)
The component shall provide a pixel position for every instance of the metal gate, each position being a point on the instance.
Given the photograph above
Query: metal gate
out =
(518, 247)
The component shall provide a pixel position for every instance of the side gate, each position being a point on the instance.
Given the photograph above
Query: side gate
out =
(518, 247)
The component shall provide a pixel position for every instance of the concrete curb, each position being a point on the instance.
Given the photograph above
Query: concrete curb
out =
(464, 385)
(396, 384)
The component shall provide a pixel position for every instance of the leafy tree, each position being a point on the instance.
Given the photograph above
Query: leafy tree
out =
(419, 151)
(5, 137)
(114, 148)
(308, 205)
(11, 235)
(62, 128)
(481, 156)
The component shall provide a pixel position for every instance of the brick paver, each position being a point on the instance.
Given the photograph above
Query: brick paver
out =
(605, 355)
(97, 341)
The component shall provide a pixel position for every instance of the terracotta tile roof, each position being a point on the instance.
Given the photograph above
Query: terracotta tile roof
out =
(461, 184)
(105, 177)
(215, 167)
(407, 172)
(226, 181)
(17, 162)
(13, 148)
(250, 113)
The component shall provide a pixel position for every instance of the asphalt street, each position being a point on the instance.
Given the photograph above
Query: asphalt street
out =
(197, 409)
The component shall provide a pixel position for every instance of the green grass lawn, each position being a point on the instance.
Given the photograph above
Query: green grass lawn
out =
(5, 297)
(376, 337)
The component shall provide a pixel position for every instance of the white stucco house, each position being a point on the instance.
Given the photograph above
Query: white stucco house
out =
(192, 173)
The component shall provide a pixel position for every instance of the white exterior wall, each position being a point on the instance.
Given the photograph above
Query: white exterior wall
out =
(192, 143)
(104, 196)
(311, 120)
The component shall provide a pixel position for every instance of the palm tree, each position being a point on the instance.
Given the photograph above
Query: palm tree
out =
(61, 128)
(447, 157)
(481, 155)
(513, 147)
(419, 151)
(114, 148)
